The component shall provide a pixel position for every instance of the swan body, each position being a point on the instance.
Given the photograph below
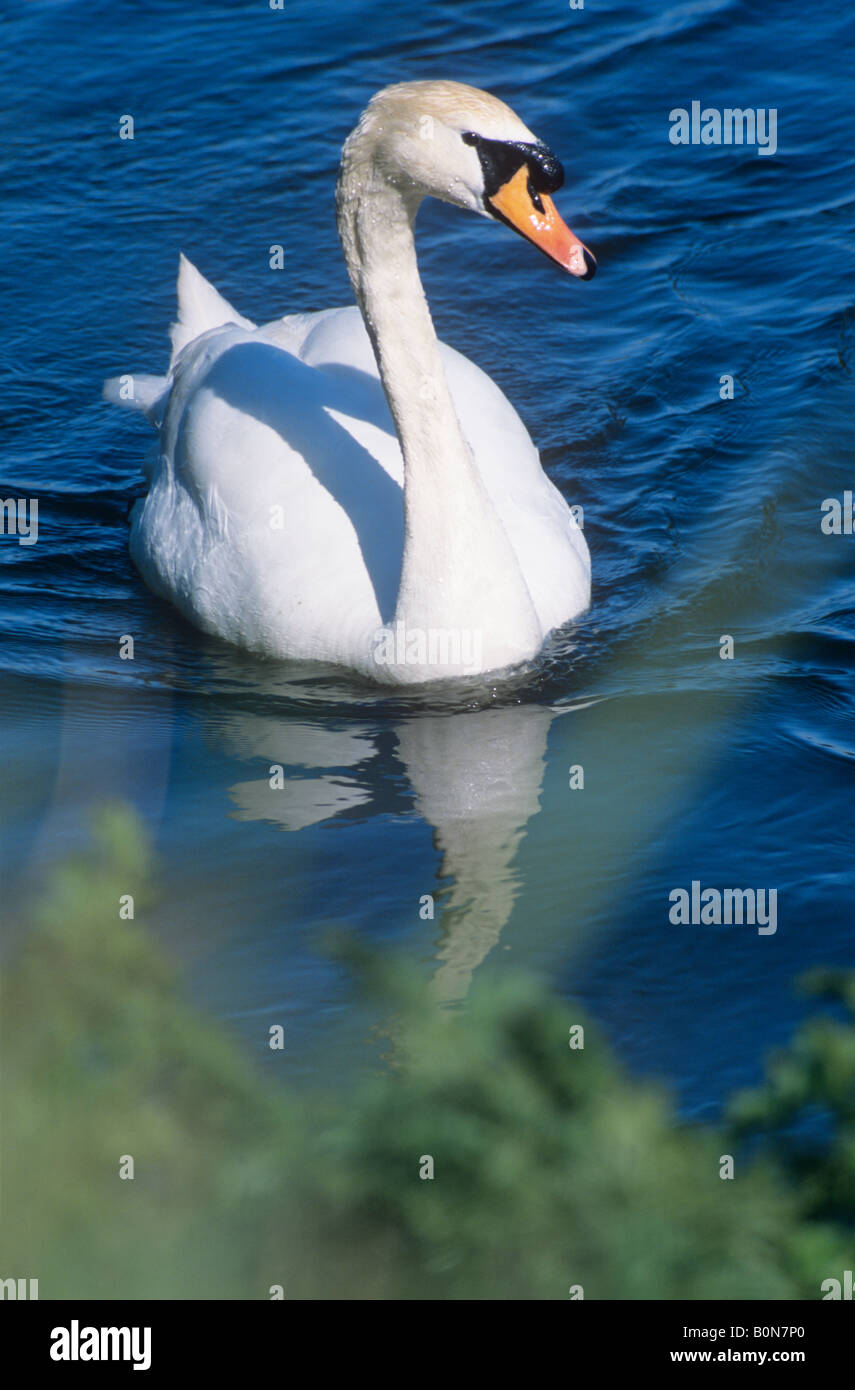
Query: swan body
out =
(339, 486)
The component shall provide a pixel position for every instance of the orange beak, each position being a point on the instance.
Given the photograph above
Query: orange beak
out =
(514, 204)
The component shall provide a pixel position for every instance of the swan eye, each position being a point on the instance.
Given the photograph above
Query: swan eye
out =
(501, 159)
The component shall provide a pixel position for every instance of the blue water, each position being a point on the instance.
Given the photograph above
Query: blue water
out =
(702, 514)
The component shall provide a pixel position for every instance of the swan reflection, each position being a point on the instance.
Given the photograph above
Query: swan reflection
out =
(475, 778)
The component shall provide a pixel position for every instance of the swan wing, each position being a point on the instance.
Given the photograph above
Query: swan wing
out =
(275, 513)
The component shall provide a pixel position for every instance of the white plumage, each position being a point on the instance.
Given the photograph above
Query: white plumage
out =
(276, 515)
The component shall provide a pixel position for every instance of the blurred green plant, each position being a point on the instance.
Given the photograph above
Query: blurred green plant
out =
(803, 1116)
(552, 1168)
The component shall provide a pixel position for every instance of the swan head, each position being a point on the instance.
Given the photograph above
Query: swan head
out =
(459, 144)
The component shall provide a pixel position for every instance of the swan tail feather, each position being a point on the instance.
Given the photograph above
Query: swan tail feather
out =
(200, 308)
(139, 391)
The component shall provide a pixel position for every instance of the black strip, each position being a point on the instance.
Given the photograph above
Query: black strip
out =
(501, 159)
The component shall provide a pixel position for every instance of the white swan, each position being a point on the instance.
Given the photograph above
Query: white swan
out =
(366, 498)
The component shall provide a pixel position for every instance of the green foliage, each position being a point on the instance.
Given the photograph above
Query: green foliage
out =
(803, 1116)
(552, 1168)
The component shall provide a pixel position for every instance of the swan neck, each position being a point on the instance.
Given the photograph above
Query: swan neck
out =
(459, 570)
(376, 228)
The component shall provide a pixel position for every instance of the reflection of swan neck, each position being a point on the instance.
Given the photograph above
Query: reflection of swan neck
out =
(459, 570)
(476, 860)
(477, 780)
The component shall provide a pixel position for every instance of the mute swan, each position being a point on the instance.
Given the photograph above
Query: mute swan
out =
(339, 486)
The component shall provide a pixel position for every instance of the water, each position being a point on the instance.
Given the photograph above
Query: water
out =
(703, 518)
